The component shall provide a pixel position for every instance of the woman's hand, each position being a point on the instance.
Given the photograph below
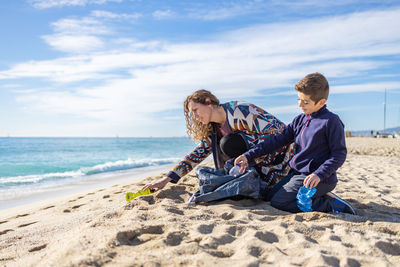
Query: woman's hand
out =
(158, 185)
(311, 180)
(242, 161)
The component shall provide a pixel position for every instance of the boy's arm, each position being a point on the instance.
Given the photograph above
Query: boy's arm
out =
(337, 146)
(267, 146)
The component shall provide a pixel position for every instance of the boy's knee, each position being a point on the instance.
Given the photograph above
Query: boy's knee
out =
(278, 203)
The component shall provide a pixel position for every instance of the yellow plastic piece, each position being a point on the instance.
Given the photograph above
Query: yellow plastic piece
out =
(129, 196)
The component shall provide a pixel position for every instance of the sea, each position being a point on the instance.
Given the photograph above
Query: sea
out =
(42, 166)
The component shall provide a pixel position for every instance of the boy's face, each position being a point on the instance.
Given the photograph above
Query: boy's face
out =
(307, 105)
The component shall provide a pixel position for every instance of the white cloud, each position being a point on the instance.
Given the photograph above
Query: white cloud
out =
(86, 34)
(232, 9)
(43, 4)
(290, 109)
(77, 35)
(110, 15)
(74, 43)
(163, 14)
(11, 85)
(86, 25)
(139, 83)
(365, 87)
(23, 91)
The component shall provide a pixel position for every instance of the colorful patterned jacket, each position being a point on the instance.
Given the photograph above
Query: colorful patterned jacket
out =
(255, 125)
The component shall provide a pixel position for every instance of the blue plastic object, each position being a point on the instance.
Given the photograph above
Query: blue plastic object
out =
(235, 171)
(304, 201)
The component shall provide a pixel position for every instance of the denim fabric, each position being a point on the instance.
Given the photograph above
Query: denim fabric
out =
(285, 198)
(217, 184)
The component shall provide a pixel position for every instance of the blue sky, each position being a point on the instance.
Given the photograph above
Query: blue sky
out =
(124, 67)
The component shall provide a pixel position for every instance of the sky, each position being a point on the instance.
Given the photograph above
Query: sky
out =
(124, 67)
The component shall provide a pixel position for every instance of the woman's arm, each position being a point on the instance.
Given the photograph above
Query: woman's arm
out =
(188, 163)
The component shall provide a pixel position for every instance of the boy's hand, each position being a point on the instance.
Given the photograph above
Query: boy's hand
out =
(157, 184)
(312, 180)
(242, 161)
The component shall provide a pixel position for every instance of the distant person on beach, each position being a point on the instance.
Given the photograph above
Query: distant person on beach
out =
(320, 147)
(226, 131)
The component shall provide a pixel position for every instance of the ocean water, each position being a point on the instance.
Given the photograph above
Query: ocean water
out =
(32, 165)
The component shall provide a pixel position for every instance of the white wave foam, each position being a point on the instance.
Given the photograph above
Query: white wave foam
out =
(125, 165)
(119, 165)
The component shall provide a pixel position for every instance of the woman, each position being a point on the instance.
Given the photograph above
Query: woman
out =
(228, 130)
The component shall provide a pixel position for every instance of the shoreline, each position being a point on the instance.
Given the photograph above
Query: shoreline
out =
(98, 181)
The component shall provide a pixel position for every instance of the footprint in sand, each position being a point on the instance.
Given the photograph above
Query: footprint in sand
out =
(221, 253)
(149, 199)
(174, 238)
(352, 263)
(138, 236)
(6, 231)
(49, 207)
(236, 230)
(330, 260)
(74, 207)
(214, 242)
(255, 251)
(175, 211)
(174, 193)
(77, 206)
(111, 215)
(37, 248)
(388, 248)
(284, 225)
(267, 237)
(267, 218)
(227, 215)
(205, 228)
(22, 215)
(335, 238)
(73, 200)
(6, 259)
(25, 224)
(347, 245)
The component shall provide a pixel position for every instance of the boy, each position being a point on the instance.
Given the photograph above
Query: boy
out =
(320, 150)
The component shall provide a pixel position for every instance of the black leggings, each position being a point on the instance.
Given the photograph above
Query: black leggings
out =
(233, 145)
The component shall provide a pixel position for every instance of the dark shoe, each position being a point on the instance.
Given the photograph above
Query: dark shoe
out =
(340, 205)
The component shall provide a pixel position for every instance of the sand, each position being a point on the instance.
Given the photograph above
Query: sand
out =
(98, 228)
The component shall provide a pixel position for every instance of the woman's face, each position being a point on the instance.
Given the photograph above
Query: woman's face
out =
(200, 112)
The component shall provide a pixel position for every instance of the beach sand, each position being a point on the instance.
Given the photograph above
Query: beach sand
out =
(98, 227)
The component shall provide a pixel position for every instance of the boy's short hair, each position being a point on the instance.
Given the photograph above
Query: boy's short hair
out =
(314, 85)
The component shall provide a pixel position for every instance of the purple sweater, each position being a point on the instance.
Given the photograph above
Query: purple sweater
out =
(319, 144)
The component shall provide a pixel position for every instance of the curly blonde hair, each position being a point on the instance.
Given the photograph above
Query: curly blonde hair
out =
(195, 129)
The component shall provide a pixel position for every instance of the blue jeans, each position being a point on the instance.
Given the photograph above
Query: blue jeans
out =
(283, 195)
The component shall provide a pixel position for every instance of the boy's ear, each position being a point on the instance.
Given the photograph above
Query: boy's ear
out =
(322, 102)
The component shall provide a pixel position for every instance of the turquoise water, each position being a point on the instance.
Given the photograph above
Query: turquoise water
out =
(31, 164)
